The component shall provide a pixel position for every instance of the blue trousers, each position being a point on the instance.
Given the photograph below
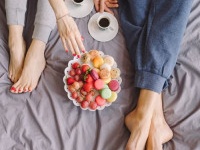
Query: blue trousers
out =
(153, 31)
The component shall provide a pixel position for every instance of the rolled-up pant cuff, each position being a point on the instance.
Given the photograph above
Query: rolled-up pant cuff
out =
(15, 16)
(150, 81)
(41, 32)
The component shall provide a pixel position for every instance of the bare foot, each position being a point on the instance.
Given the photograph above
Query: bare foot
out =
(17, 48)
(33, 66)
(160, 131)
(139, 127)
(159, 134)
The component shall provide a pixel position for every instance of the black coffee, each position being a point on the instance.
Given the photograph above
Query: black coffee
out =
(78, 1)
(104, 22)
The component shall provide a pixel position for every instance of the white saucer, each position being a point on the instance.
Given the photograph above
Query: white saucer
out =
(99, 34)
(79, 11)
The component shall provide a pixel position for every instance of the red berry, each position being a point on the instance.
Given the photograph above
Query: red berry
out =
(78, 71)
(74, 95)
(71, 88)
(84, 104)
(93, 105)
(84, 68)
(89, 78)
(77, 77)
(75, 65)
(89, 97)
(70, 80)
(83, 92)
(88, 87)
(79, 99)
(72, 72)
(80, 83)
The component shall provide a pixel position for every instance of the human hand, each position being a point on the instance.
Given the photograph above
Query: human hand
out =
(105, 5)
(70, 35)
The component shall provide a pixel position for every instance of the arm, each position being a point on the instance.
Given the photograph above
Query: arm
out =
(68, 30)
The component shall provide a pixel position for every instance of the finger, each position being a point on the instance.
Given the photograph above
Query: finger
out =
(75, 46)
(102, 4)
(96, 4)
(80, 43)
(108, 10)
(64, 44)
(71, 47)
(112, 1)
(111, 5)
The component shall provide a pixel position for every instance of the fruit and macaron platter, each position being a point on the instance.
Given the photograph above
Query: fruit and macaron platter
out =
(92, 81)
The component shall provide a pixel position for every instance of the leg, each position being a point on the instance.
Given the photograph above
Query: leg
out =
(155, 55)
(35, 61)
(15, 14)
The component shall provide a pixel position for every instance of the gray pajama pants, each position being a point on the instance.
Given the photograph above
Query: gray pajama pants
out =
(45, 20)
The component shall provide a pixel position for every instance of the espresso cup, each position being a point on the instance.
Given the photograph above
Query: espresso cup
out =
(103, 22)
(78, 2)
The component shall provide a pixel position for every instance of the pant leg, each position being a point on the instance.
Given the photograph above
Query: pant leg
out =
(45, 21)
(157, 41)
(15, 11)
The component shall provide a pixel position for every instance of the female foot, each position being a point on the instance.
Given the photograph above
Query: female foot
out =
(33, 66)
(17, 48)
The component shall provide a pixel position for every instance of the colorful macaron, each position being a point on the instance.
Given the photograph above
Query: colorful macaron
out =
(85, 58)
(105, 66)
(113, 85)
(106, 93)
(94, 53)
(98, 61)
(94, 74)
(112, 98)
(99, 84)
(109, 60)
(115, 73)
(100, 101)
(104, 74)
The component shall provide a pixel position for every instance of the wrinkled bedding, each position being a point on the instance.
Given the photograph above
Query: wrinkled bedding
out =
(47, 120)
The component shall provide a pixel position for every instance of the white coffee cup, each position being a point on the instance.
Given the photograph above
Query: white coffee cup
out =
(103, 22)
(78, 2)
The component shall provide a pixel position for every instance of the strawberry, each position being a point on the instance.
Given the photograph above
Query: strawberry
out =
(88, 87)
(85, 68)
(88, 78)
(75, 65)
(70, 80)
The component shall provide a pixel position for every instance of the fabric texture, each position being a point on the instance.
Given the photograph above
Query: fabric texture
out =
(154, 30)
(45, 20)
(47, 120)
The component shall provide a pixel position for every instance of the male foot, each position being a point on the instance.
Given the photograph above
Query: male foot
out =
(139, 127)
(160, 131)
(33, 66)
(17, 48)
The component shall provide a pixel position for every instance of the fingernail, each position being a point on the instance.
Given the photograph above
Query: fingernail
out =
(13, 89)
(66, 50)
(74, 54)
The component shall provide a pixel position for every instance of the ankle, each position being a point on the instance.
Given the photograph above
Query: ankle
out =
(15, 30)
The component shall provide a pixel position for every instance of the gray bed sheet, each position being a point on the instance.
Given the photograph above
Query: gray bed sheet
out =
(47, 120)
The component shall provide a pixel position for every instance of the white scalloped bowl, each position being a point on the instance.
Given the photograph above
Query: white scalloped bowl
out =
(68, 68)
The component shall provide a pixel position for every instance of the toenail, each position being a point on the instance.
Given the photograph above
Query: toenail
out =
(74, 54)
(13, 89)
(79, 56)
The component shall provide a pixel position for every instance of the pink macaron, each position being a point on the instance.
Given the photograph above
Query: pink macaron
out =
(94, 74)
(99, 84)
(100, 101)
(113, 85)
